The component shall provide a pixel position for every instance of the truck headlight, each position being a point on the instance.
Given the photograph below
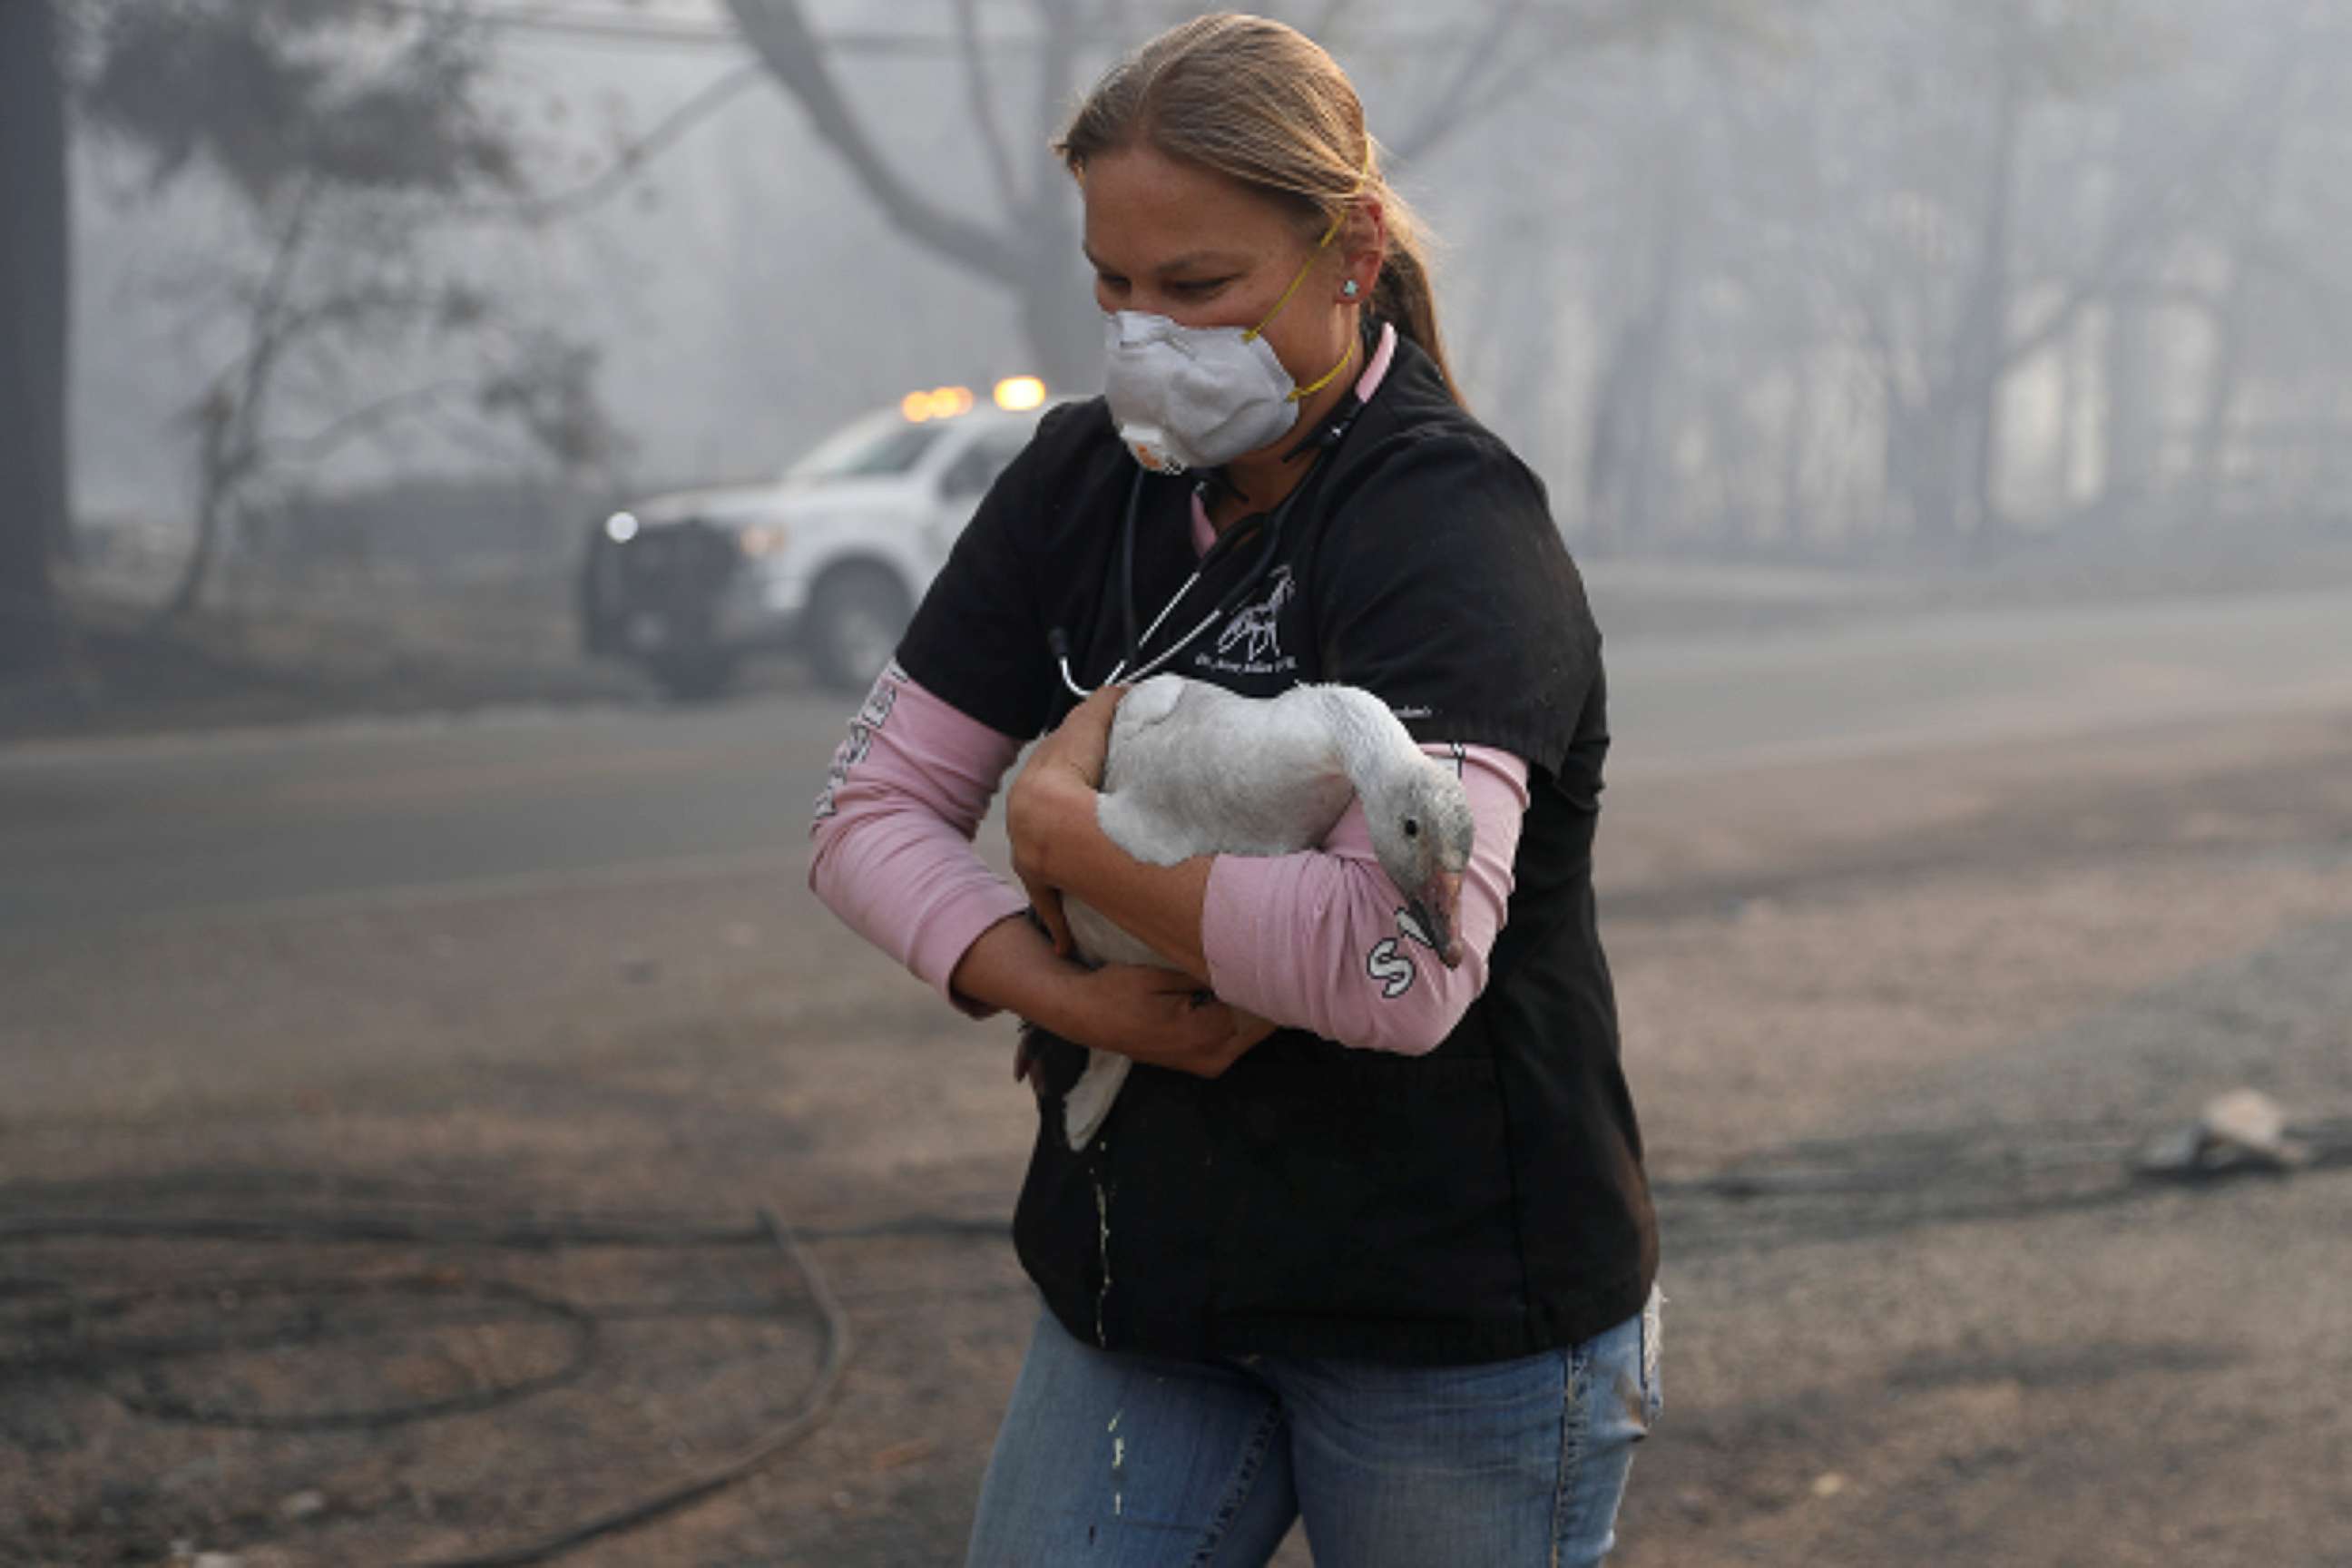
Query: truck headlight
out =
(764, 540)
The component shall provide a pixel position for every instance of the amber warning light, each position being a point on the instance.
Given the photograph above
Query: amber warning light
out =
(1020, 393)
(939, 402)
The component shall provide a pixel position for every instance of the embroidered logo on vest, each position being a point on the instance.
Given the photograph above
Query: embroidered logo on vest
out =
(1250, 643)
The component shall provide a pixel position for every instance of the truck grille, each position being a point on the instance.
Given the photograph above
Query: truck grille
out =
(670, 578)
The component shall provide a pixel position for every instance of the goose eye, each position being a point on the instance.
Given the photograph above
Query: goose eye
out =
(1412, 828)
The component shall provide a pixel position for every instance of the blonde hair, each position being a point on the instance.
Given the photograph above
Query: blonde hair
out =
(1263, 104)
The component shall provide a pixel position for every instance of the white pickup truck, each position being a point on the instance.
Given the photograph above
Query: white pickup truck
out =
(828, 559)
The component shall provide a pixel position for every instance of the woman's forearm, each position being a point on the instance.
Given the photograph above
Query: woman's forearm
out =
(1159, 905)
(1320, 939)
(1014, 968)
(1148, 1014)
(891, 848)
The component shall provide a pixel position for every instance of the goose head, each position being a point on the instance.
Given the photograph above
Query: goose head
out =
(1422, 831)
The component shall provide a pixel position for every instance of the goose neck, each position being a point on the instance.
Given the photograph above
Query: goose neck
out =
(1365, 736)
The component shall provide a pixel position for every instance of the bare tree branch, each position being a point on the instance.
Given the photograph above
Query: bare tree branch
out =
(229, 417)
(780, 33)
(1576, 29)
(629, 161)
(1449, 109)
(291, 323)
(1056, 63)
(275, 322)
(360, 422)
(2159, 209)
(983, 102)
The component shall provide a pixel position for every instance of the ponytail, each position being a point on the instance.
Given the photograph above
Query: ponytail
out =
(1405, 294)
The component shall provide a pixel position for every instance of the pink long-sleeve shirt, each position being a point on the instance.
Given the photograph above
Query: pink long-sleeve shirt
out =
(1315, 940)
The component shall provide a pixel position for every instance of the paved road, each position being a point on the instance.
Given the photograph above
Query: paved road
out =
(1955, 679)
(94, 833)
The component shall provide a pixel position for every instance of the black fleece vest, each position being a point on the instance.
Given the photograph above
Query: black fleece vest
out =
(1482, 1201)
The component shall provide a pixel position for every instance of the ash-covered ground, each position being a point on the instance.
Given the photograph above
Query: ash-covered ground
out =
(1896, 1024)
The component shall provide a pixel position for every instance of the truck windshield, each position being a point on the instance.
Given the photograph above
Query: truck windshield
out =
(883, 444)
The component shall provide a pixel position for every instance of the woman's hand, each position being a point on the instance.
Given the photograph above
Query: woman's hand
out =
(1060, 778)
(1161, 1016)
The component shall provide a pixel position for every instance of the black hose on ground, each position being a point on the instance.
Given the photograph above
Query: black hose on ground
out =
(531, 1233)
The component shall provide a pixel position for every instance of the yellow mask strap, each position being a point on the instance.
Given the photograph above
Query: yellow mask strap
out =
(1252, 336)
(1320, 381)
(1320, 246)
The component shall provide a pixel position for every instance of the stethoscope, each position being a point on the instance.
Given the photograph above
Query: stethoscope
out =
(1127, 670)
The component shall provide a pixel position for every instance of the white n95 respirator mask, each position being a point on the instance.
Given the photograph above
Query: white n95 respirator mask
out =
(1195, 397)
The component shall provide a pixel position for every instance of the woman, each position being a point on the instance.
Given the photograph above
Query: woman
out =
(1366, 1240)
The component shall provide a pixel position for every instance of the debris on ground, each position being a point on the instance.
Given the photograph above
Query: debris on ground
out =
(2243, 1131)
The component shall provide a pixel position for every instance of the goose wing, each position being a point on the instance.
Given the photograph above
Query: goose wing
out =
(1202, 771)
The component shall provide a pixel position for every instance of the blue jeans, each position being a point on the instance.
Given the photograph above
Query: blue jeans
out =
(1130, 1461)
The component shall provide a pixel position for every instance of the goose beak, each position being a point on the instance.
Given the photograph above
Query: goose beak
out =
(1438, 911)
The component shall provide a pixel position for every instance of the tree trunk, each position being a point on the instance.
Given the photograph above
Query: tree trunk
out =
(1627, 461)
(1984, 326)
(2127, 434)
(1925, 441)
(1797, 530)
(214, 482)
(1624, 450)
(231, 414)
(1057, 310)
(34, 518)
(2224, 378)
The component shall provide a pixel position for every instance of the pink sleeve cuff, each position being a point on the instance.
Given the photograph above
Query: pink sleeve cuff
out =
(892, 833)
(1314, 939)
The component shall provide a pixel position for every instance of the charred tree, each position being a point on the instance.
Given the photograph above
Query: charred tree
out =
(33, 520)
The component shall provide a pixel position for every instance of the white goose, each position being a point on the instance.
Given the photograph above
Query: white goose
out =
(1194, 769)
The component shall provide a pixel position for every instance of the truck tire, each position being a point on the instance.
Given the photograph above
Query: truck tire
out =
(693, 677)
(856, 615)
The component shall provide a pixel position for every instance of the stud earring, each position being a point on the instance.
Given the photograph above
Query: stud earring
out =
(1348, 289)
